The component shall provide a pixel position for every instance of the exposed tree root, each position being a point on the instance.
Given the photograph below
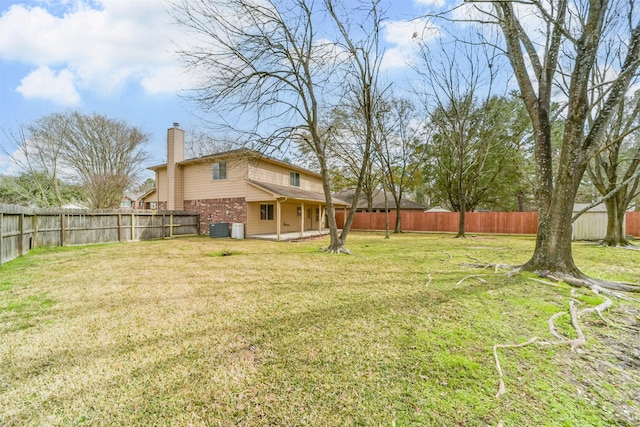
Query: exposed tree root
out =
(614, 289)
(477, 276)
(338, 250)
(501, 387)
(574, 343)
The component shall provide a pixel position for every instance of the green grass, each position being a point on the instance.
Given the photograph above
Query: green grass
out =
(173, 333)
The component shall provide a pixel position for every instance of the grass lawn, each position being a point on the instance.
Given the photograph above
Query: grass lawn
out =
(171, 333)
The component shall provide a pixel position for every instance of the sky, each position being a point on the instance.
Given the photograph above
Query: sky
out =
(118, 58)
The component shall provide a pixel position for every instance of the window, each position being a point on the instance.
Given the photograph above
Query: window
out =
(219, 171)
(153, 205)
(266, 212)
(294, 179)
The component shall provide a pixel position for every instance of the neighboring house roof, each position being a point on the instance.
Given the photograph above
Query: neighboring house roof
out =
(294, 193)
(438, 209)
(378, 200)
(241, 152)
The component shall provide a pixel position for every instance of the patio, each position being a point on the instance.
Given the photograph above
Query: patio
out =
(309, 234)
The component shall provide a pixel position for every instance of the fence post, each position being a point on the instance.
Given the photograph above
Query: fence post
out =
(119, 228)
(21, 235)
(63, 230)
(171, 226)
(133, 227)
(1, 245)
(34, 226)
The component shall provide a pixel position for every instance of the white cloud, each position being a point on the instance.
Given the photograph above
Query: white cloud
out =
(102, 44)
(44, 83)
(430, 3)
(404, 38)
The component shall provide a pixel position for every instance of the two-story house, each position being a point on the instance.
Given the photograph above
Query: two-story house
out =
(268, 196)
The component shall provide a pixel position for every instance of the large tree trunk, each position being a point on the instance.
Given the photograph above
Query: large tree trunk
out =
(615, 223)
(553, 242)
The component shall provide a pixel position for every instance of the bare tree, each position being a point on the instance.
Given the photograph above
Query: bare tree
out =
(363, 91)
(263, 62)
(561, 51)
(37, 153)
(401, 150)
(105, 155)
(468, 144)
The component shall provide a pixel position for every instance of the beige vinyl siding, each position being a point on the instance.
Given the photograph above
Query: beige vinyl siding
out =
(290, 218)
(201, 186)
(290, 221)
(263, 171)
(162, 189)
(255, 194)
(257, 226)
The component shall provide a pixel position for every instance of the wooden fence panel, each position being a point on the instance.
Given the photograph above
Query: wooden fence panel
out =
(22, 229)
(633, 224)
(447, 222)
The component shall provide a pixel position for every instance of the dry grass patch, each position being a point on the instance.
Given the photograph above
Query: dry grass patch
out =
(173, 333)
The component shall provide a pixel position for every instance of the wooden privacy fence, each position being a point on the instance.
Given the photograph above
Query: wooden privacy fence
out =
(633, 223)
(476, 222)
(22, 229)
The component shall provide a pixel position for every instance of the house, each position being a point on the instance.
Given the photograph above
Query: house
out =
(378, 204)
(268, 196)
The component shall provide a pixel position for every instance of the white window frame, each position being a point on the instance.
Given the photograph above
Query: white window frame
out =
(215, 171)
(294, 179)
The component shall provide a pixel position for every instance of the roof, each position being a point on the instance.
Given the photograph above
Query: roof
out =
(294, 193)
(438, 209)
(238, 153)
(378, 200)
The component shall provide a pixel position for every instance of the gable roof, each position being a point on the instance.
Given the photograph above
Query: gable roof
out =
(239, 153)
(378, 200)
(294, 193)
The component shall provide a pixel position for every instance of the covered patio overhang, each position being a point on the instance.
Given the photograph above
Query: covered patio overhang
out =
(298, 214)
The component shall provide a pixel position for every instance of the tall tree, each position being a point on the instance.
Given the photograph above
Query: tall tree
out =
(102, 155)
(615, 170)
(38, 150)
(105, 155)
(561, 51)
(401, 149)
(470, 143)
(363, 92)
(264, 59)
(265, 64)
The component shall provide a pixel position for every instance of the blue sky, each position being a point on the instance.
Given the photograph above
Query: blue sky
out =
(117, 58)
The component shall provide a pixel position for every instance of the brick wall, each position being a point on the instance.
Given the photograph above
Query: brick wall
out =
(218, 210)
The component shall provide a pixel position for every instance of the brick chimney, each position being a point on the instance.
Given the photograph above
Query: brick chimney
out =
(175, 154)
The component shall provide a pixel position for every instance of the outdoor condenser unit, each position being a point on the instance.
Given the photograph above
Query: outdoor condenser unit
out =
(219, 229)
